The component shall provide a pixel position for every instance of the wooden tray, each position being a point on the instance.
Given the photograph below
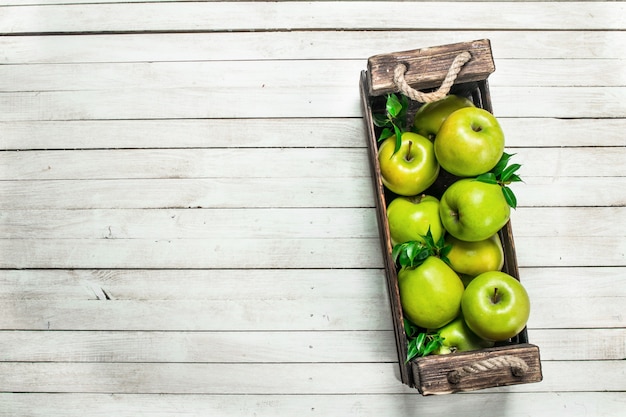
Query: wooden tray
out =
(426, 69)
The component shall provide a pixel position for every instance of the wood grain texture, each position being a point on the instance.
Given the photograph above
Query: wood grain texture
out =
(224, 16)
(129, 405)
(270, 379)
(186, 219)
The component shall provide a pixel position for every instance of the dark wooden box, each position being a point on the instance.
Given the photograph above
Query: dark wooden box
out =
(427, 68)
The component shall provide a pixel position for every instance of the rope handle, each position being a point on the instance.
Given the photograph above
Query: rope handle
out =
(517, 365)
(441, 92)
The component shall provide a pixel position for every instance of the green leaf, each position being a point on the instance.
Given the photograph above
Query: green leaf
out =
(428, 239)
(443, 253)
(398, 134)
(386, 132)
(404, 101)
(515, 178)
(411, 252)
(380, 120)
(502, 163)
(411, 351)
(508, 171)
(394, 106)
(435, 343)
(410, 328)
(509, 196)
(489, 178)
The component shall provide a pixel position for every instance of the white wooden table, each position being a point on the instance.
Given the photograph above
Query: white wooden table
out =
(186, 211)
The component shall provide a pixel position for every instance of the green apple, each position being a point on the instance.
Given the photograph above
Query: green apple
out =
(430, 293)
(457, 337)
(474, 258)
(410, 218)
(430, 116)
(410, 170)
(473, 210)
(495, 306)
(470, 142)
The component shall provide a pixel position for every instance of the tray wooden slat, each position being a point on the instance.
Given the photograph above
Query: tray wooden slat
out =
(427, 67)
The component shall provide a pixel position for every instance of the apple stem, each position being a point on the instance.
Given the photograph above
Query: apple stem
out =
(408, 157)
(496, 296)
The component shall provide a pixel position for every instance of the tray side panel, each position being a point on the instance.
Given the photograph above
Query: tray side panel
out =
(427, 67)
(381, 213)
(431, 372)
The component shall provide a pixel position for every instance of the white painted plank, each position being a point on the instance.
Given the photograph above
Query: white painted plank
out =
(276, 315)
(205, 284)
(192, 224)
(272, 163)
(269, 346)
(274, 253)
(214, 315)
(342, 378)
(273, 284)
(311, 45)
(194, 163)
(573, 222)
(222, 16)
(298, 101)
(194, 253)
(187, 193)
(549, 311)
(252, 74)
(274, 223)
(208, 347)
(189, 133)
(544, 404)
(278, 132)
(274, 192)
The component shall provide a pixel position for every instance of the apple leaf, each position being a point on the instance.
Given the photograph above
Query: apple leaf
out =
(509, 196)
(503, 162)
(393, 106)
(380, 120)
(423, 344)
(394, 121)
(386, 132)
(413, 253)
(488, 177)
(508, 172)
(398, 134)
(410, 328)
(503, 174)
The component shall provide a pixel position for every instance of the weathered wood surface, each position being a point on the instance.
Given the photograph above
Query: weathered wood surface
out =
(186, 206)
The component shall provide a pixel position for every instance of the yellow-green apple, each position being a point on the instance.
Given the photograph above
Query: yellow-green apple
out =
(457, 337)
(470, 142)
(430, 116)
(410, 218)
(430, 293)
(473, 210)
(495, 306)
(410, 170)
(474, 258)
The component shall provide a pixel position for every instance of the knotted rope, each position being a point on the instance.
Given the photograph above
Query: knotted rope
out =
(517, 365)
(441, 92)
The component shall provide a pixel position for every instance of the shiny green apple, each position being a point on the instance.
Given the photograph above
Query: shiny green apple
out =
(410, 170)
(457, 337)
(473, 210)
(430, 294)
(410, 218)
(470, 142)
(474, 258)
(430, 116)
(495, 306)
